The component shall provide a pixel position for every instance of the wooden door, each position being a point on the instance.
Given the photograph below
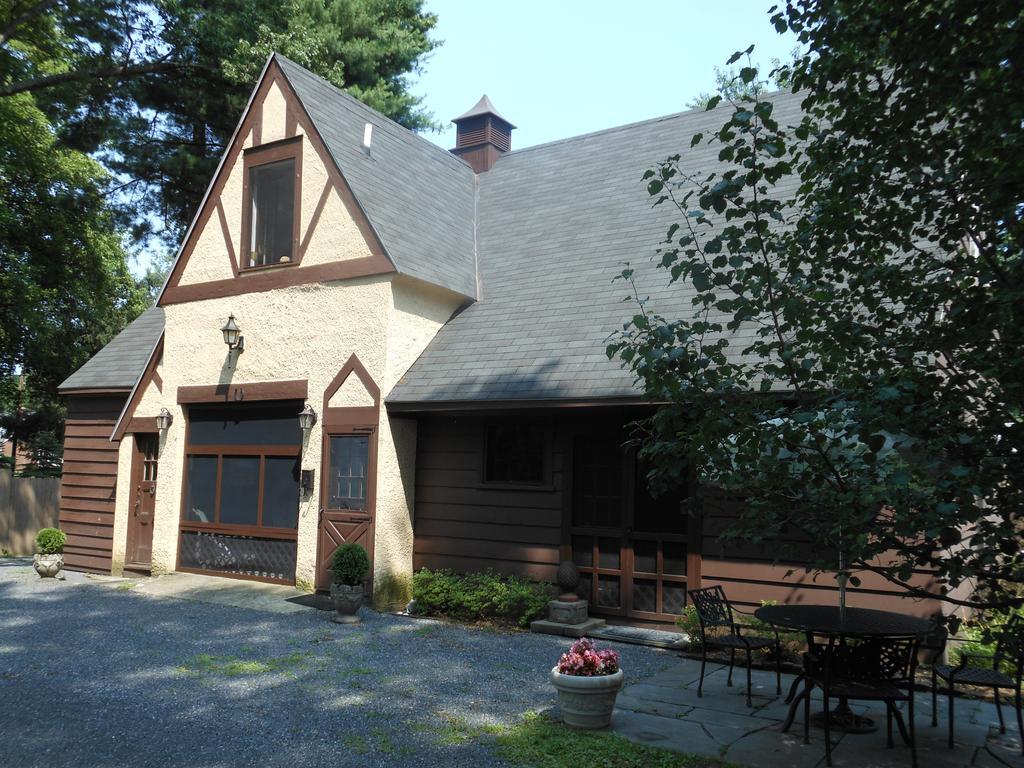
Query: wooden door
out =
(347, 498)
(633, 550)
(139, 550)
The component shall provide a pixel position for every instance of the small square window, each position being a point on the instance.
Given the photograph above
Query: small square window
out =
(272, 216)
(349, 472)
(516, 454)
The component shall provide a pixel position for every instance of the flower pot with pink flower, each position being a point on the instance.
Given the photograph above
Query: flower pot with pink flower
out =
(587, 680)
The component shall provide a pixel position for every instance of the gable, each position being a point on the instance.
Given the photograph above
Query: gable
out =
(333, 239)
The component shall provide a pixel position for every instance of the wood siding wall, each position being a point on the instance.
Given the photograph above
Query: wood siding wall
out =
(466, 526)
(750, 575)
(89, 482)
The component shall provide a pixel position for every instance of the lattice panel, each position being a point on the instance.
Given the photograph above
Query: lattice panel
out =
(239, 555)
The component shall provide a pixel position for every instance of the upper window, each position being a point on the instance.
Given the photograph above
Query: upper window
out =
(271, 205)
(349, 469)
(516, 454)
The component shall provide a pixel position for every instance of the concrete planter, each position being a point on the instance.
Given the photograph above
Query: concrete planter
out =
(586, 702)
(48, 566)
(347, 600)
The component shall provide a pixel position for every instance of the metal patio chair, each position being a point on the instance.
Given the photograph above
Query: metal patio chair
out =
(865, 669)
(1009, 653)
(716, 613)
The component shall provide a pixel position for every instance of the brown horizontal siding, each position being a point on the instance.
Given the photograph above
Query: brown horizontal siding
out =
(463, 525)
(87, 490)
(753, 573)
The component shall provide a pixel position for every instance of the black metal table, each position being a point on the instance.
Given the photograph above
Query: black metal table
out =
(827, 620)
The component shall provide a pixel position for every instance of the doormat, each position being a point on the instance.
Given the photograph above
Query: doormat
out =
(313, 600)
(640, 636)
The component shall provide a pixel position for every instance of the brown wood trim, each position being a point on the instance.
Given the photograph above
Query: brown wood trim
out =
(257, 531)
(140, 389)
(158, 381)
(342, 417)
(320, 205)
(253, 157)
(257, 124)
(278, 278)
(378, 263)
(290, 121)
(226, 232)
(235, 393)
(352, 365)
(141, 424)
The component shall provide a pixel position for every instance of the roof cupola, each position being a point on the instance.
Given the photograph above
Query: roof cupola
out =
(482, 135)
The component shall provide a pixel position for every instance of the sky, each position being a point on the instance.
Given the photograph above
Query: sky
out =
(562, 68)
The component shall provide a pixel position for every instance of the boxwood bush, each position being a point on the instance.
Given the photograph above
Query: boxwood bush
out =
(50, 541)
(486, 596)
(350, 564)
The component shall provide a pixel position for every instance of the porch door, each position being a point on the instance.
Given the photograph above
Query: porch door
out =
(139, 550)
(346, 515)
(633, 550)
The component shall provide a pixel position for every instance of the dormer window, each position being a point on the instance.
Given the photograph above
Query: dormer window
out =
(270, 235)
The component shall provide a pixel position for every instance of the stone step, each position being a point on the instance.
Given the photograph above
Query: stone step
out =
(639, 636)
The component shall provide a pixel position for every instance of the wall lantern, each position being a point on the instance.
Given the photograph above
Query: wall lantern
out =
(233, 334)
(163, 421)
(307, 418)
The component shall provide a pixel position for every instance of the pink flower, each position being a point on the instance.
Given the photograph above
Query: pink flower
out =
(584, 660)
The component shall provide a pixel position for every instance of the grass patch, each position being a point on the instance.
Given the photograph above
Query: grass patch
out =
(205, 664)
(127, 586)
(539, 742)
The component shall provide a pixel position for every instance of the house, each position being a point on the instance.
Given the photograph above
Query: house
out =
(443, 316)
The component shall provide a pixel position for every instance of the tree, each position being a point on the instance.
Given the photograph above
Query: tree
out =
(154, 89)
(45, 454)
(729, 85)
(65, 289)
(852, 363)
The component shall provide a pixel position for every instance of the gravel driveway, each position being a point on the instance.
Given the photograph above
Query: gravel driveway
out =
(96, 675)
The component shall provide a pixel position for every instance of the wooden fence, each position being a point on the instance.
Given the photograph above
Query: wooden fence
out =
(26, 505)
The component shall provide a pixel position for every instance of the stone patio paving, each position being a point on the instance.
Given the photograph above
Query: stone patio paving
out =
(664, 711)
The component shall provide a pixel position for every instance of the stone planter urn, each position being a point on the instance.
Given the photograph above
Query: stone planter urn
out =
(586, 702)
(347, 599)
(48, 566)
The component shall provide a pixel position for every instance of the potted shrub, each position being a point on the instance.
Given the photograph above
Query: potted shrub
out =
(49, 559)
(350, 565)
(587, 680)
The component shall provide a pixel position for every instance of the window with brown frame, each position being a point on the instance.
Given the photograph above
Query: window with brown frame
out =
(516, 453)
(272, 195)
(348, 471)
(242, 467)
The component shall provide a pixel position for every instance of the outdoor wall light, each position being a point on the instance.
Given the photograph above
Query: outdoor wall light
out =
(307, 418)
(233, 334)
(163, 420)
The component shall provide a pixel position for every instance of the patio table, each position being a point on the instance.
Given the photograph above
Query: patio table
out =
(828, 620)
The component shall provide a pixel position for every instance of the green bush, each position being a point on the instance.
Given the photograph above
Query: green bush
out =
(479, 596)
(350, 564)
(50, 541)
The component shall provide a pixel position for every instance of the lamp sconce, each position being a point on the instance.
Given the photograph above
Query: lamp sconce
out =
(307, 418)
(164, 421)
(233, 335)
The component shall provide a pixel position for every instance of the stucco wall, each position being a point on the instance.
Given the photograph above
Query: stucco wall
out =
(299, 332)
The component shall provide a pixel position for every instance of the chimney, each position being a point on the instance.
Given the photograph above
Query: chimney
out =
(482, 136)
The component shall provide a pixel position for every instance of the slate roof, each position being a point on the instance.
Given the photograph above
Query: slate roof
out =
(556, 223)
(121, 362)
(542, 233)
(417, 196)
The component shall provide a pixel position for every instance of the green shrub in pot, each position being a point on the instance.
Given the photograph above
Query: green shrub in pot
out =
(350, 565)
(49, 559)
